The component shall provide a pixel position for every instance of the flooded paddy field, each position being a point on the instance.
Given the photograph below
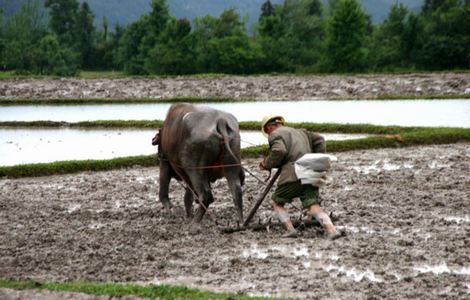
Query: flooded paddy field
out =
(405, 212)
(35, 145)
(446, 113)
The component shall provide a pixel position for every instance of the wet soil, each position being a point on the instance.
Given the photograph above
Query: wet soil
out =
(252, 87)
(405, 212)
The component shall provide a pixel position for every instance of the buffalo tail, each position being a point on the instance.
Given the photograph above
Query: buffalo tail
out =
(225, 132)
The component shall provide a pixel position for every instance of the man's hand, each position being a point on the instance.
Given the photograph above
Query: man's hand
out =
(262, 166)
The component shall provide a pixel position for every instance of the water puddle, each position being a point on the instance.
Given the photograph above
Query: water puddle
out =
(355, 229)
(353, 273)
(255, 252)
(443, 269)
(381, 165)
(262, 253)
(73, 208)
(458, 220)
(436, 165)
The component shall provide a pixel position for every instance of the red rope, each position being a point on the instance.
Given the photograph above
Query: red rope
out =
(203, 167)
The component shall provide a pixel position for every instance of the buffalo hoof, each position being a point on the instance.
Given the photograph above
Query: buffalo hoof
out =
(199, 215)
(166, 205)
(167, 209)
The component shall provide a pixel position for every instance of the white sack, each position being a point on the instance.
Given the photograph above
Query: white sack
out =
(312, 168)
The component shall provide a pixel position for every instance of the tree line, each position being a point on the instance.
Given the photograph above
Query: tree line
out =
(298, 36)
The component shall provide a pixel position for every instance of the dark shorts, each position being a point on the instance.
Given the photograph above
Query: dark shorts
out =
(307, 193)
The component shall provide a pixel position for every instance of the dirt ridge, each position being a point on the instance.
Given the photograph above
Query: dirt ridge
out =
(262, 87)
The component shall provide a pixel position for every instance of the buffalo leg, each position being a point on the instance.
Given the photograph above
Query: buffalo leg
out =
(233, 181)
(188, 202)
(165, 177)
(205, 198)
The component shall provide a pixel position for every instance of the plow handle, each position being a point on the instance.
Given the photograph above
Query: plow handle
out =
(260, 200)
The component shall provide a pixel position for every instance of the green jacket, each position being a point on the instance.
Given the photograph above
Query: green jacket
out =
(289, 144)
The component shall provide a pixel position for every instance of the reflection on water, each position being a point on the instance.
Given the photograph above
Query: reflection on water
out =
(449, 113)
(21, 146)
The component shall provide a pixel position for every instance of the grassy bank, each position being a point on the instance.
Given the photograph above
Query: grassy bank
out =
(389, 139)
(85, 124)
(121, 290)
(250, 125)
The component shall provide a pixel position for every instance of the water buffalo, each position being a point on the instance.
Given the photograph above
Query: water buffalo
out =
(199, 145)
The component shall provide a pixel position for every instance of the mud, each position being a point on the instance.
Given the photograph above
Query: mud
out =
(252, 87)
(405, 212)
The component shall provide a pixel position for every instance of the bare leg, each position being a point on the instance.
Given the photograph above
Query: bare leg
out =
(285, 219)
(317, 212)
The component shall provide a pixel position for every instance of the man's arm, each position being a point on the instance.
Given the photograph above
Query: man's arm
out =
(277, 153)
(317, 142)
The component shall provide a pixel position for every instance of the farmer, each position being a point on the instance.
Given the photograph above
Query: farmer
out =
(286, 145)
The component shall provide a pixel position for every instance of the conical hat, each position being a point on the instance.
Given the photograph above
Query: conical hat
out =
(267, 119)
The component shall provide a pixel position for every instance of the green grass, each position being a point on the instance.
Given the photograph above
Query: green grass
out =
(101, 74)
(247, 125)
(74, 166)
(84, 124)
(120, 290)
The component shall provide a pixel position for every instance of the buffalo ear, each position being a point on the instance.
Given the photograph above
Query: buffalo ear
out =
(156, 138)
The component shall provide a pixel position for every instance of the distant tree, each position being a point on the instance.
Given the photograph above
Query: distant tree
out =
(447, 37)
(2, 41)
(142, 36)
(204, 31)
(345, 51)
(431, 5)
(271, 26)
(159, 16)
(105, 48)
(62, 18)
(267, 9)
(115, 40)
(105, 25)
(229, 23)
(84, 35)
(157, 20)
(412, 39)
(233, 54)
(173, 54)
(28, 23)
(53, 59)
(291, 37)
(388, 50)
(313, 7)
(331, 6)
(222, 45)
(22, 33)
(129, 47)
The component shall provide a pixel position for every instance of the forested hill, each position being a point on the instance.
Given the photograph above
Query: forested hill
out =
(125, 11)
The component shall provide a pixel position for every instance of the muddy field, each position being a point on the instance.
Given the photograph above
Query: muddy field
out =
(405, 211)
(251, 87)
